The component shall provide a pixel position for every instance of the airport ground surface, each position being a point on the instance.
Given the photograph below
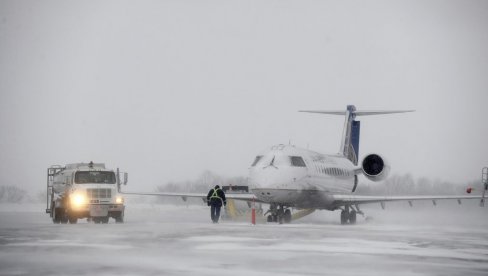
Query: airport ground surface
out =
(179, 240)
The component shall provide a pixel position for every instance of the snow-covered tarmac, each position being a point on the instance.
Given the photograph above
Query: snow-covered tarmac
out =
(179, 240)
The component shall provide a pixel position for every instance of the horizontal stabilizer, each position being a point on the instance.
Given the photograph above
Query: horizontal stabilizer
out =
(356, 112)
(331, 112)
(379, 112)
(350, 134)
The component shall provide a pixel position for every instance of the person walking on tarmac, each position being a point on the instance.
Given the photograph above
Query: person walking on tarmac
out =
(215, 199)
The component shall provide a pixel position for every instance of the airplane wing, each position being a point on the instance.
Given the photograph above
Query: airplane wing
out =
(203, 196)
(341, 200)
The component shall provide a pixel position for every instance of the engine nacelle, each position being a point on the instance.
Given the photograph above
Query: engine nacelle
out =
(375, 167)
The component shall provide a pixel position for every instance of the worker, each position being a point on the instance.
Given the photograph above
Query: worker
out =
(215, 199)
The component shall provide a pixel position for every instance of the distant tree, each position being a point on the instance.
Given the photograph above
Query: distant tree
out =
(396, 184)
(424, 186)
(12, 194)
(406, 184)
(41, 196)
(201, 184)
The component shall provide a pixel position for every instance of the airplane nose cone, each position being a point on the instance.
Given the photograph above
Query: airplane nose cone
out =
(263, 177)
(271, 177)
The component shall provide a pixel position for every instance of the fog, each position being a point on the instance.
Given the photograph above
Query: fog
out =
(166, 90)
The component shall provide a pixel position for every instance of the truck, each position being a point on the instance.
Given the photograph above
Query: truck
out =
(84, 190)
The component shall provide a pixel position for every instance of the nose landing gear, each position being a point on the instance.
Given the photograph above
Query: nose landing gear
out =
(278, 213)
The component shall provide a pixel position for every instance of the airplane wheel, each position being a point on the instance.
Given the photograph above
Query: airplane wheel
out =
(352, 217)
(344, 217)
(275, 218)
(269, 218)
(287, 216)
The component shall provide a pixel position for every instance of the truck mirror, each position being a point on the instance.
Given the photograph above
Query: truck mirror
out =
(126, 178)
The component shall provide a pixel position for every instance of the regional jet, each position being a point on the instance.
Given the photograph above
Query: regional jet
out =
(286, 177)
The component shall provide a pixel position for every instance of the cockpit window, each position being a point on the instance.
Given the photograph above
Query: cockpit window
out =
(256, 160)
(297, 161)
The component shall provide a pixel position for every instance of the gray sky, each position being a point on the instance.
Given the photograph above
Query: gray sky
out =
(167, 89)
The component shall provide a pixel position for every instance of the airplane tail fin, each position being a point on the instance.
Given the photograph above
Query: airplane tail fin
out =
(350, 135)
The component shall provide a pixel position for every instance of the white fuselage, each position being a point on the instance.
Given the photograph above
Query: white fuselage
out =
(301, 178)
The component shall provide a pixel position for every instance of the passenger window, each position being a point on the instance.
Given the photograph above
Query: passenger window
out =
(256, 160)
(297, 161)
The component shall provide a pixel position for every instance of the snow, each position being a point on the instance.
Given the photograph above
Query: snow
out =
(181, 240)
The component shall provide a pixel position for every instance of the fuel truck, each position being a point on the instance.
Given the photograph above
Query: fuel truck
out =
(84, 190)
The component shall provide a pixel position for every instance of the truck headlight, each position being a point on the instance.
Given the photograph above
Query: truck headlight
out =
(119, 200)
(78, 199)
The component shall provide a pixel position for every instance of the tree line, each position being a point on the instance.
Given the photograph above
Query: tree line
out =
(406, 184)
(12, 194)
(397, 184)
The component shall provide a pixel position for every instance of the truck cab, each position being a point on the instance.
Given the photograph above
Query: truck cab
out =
(84, 190)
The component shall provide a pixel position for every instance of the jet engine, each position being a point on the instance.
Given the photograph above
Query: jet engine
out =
(375, 167)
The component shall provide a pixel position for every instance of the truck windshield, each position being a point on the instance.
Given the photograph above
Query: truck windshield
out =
(95, 177)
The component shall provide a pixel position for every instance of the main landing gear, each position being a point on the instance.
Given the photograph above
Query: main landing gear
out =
(278, 213)
(348, 214)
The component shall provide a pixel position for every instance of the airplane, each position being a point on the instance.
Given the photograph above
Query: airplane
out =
(285, 176)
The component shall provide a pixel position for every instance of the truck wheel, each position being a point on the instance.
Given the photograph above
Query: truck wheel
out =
(119, 219)
(55, 214)
(63, 216)
(72, 220)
